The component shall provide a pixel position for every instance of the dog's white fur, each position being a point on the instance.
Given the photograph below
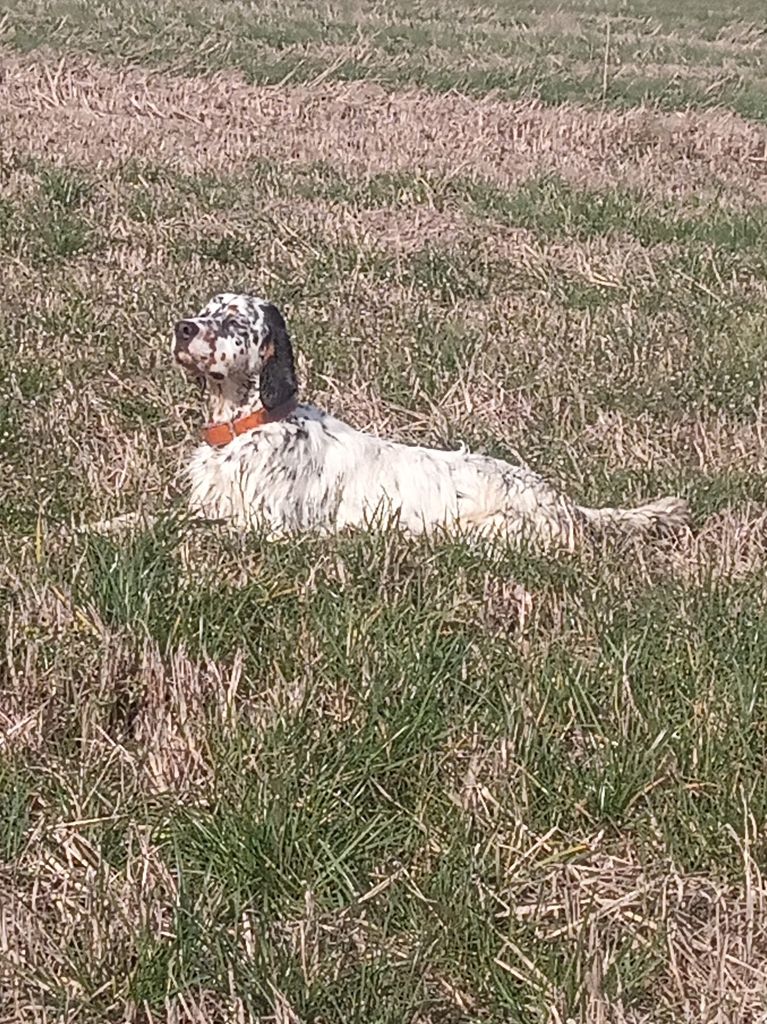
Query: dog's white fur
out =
(312, 472)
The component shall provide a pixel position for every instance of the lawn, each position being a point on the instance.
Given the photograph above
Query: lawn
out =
(376, 780)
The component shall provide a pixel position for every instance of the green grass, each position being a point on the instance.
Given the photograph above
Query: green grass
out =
(554, 52)
(447, 676)
(631, 705)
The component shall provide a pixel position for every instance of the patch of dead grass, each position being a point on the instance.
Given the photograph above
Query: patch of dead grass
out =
(88, 113)
(711, 937)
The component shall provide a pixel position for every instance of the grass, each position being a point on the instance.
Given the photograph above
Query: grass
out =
(478, 759)
(375, 779)
(667, 54)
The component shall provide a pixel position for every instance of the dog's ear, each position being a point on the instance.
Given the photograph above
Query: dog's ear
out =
(277, 383)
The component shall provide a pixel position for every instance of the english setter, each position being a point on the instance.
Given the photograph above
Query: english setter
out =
(268, 460)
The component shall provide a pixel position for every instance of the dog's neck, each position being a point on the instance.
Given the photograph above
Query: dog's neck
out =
(229, 400)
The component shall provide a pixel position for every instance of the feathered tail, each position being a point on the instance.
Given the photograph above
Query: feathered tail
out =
(666, 515)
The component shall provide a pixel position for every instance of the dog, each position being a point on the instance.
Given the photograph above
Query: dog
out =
(271, 462)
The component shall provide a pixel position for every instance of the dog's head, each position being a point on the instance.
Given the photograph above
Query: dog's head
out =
(235, 343)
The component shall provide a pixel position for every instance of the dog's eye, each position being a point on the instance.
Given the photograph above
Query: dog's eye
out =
(231, 325)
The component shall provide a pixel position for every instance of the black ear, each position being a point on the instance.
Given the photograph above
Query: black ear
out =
(277, 383)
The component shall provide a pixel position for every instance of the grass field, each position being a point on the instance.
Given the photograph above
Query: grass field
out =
(380, 781)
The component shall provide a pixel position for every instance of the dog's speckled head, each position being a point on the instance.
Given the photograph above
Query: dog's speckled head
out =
(238, 342)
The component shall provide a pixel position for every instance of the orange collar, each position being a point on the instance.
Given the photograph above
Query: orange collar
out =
(217, 435)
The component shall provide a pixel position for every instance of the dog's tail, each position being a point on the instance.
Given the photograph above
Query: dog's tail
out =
(666, 515)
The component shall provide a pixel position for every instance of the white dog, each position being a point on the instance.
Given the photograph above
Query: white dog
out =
(268, 460)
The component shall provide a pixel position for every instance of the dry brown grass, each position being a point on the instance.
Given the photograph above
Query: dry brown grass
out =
(93, 114)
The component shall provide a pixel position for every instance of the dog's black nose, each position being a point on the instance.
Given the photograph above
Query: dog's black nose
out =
(185, 331)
